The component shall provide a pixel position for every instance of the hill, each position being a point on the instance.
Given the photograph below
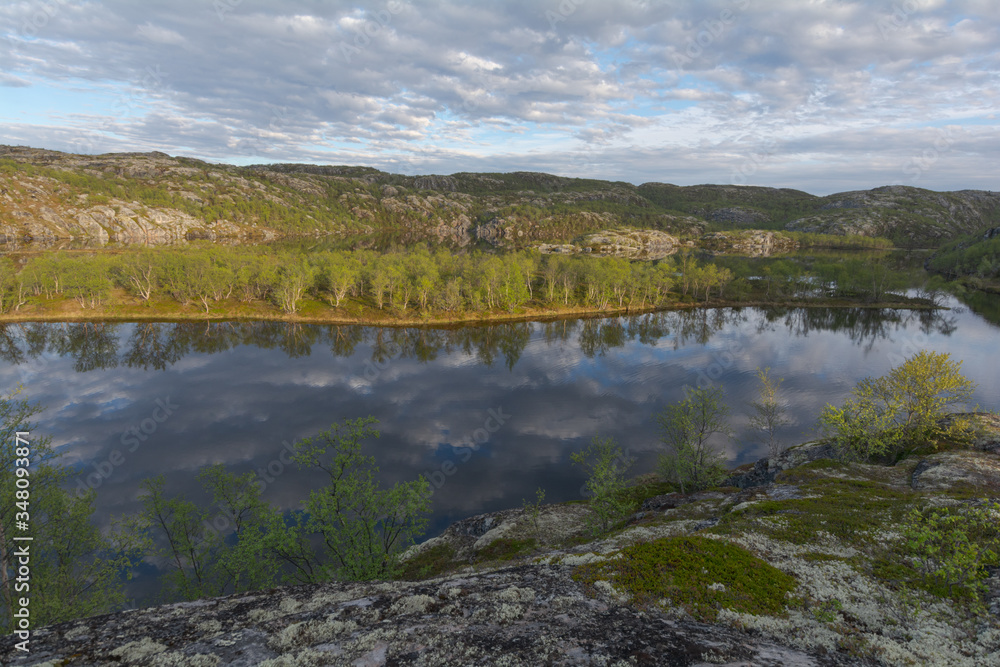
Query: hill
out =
(49, 198)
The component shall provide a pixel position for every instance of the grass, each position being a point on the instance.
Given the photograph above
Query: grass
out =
(698, 574)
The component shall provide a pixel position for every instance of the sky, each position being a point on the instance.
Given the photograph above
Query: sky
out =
(818, 95)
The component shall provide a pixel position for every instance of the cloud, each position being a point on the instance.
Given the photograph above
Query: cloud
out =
(447, 86)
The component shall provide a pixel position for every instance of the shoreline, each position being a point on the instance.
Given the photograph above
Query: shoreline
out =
(132, 313)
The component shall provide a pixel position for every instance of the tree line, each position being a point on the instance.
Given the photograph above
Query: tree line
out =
(422, 281)
(416, 280)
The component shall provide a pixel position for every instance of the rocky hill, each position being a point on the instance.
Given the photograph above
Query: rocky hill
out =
(797, 562)
(49, 198)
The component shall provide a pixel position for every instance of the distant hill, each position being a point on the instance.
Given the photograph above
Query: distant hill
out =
(47, 197)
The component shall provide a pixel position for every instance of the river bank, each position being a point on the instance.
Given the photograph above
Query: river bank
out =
(526, 587)
(128, 309)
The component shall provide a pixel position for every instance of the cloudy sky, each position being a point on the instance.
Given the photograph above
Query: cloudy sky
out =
(818, 95)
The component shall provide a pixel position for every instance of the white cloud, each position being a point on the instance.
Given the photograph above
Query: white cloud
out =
(418, 83)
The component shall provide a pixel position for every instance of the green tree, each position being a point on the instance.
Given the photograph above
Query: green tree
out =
(137, 273)
(901, 409)
(607, 467)
(293, 279)
(75, 569)
(692, 460)
(12, 287)
(340, 274)
(360, 527)
(180, 542)
(86, 279)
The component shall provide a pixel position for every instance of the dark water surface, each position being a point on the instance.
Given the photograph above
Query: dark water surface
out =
(500, 408)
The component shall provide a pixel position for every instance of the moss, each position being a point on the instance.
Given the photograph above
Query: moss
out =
(429, 563)
(506, 548)
(698, 574)
(639, 493)
(816, 556)
(811, 471)
(844, 508)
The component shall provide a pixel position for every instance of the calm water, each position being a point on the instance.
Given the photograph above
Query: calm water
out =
(501, 408)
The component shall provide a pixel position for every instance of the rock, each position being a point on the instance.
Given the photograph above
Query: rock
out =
(736, 215)
(666, 501)
(521, 615)
(896, 211)
(958, 469)
(802, 454)
(759, 475)
(922, 466)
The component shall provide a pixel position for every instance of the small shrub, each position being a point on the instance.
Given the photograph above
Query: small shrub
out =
(900, 410)
(951, 547)
(608, 466)
(532, 510)
(768, 412)
(693, 462)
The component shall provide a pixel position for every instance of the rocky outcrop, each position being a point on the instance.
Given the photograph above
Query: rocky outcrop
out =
(119, 222)
(516, 616)
(737, 216)
(629, 243)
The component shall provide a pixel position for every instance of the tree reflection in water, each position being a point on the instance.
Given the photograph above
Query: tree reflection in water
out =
(159, 345)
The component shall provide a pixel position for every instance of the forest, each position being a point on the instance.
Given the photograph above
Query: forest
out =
(421, 283)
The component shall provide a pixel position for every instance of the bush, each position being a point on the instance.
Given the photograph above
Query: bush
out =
(952, 547)
(608, 466)
(902, 409)
(361, 526)
(693, 462)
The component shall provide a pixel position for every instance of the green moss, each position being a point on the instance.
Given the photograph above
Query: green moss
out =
(845, 508)
(816, 556)
(506, 548)
(699, 574)
(639, 493)
(429, 563)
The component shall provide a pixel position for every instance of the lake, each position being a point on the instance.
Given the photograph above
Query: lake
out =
(488, 413)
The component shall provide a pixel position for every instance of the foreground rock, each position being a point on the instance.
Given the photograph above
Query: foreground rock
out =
(527, 615)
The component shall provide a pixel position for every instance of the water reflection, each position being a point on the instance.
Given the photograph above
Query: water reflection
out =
(245, 388)
(159, 345)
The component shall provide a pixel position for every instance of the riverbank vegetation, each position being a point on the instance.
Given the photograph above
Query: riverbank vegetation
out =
(974, 260)
(419, 284)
